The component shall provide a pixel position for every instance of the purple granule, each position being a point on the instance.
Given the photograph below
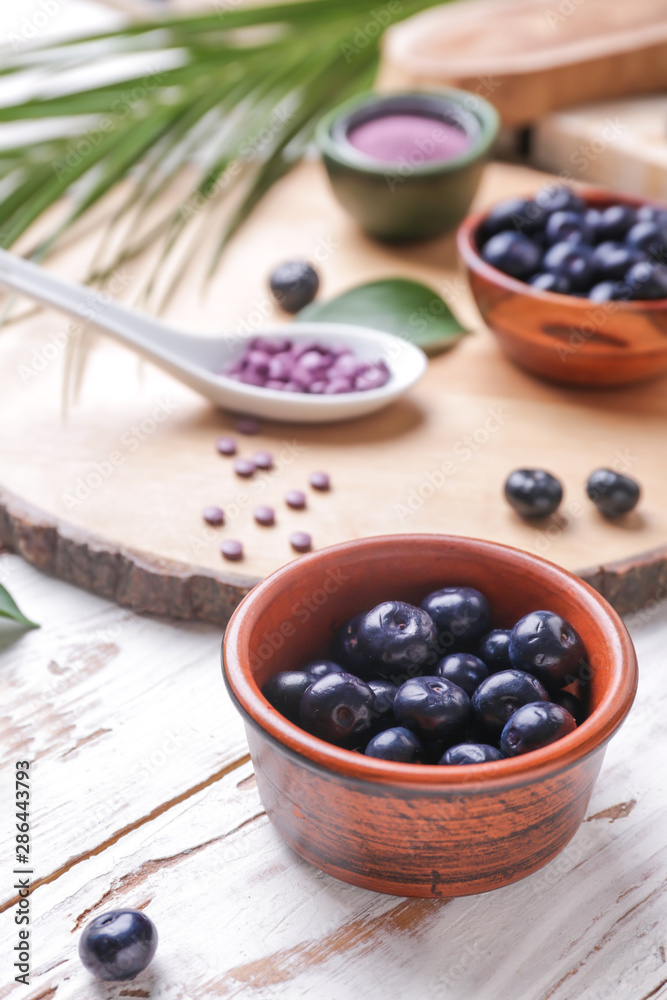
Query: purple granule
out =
(306, 367)
(263, 460)
(215, 516)
(226, 445)
(244, 467)
(232, 550)
(296, 499)
(266, 516)
(320, 480)
(301, 541)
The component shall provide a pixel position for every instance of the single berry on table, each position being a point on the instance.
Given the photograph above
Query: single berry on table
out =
(118, 945)
(546, 645)
(463, 669)
(398, 638)
(433, 708)
(534, 726)
(285, 691)
(461, 615)
(471, 753)
(612, 493)
(498, 697)
(533, 492)
(397, 744)
(339, 708)
(294, 285)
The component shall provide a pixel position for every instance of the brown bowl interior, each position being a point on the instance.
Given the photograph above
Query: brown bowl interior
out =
(562, 337)
(291, 617)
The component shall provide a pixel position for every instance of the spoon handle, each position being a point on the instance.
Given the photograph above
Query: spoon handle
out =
(89, 305)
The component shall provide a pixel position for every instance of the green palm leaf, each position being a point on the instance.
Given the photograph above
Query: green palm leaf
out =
(204, 94)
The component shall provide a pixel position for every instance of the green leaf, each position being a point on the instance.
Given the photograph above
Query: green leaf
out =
(10, 609)
(395, 305)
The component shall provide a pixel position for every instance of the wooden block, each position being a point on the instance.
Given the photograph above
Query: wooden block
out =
(621, 144)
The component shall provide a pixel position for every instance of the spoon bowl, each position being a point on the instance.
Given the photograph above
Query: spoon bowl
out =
(198, 360)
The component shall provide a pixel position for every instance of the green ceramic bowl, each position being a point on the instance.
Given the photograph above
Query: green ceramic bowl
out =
(413, 199)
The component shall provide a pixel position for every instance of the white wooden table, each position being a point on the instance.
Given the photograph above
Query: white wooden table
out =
(143, 796)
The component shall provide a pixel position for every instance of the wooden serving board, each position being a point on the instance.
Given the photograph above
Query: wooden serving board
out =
(110, 496)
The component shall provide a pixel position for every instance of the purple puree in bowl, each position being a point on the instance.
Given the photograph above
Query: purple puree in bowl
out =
(397, 137)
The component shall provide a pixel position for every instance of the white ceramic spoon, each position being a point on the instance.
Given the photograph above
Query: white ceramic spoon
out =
(196, 360)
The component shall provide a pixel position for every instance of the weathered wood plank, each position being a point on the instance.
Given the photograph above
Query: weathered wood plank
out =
(120, 714)
(239, 915)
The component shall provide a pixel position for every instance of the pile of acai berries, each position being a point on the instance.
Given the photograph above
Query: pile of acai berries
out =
(557, 243)
(436, 684)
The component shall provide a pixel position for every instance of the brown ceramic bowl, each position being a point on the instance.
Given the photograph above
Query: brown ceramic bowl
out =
(411, 829)
(563, 338)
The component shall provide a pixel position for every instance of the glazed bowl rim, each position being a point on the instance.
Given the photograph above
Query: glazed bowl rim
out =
(348, 156)
(589, 737)
(467, 246)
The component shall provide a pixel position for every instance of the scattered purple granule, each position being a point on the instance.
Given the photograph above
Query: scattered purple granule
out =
(244, 467)
(305, 366)
(232, 550)
(320, 480)
(296, 499)
(374, 377)
(263, 460)
(247, 425)
(226, 445)
(301, 541)
(265, 516)
(215, 516)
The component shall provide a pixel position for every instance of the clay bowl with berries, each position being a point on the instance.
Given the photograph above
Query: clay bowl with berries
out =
(424, 828)
(603, 324)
